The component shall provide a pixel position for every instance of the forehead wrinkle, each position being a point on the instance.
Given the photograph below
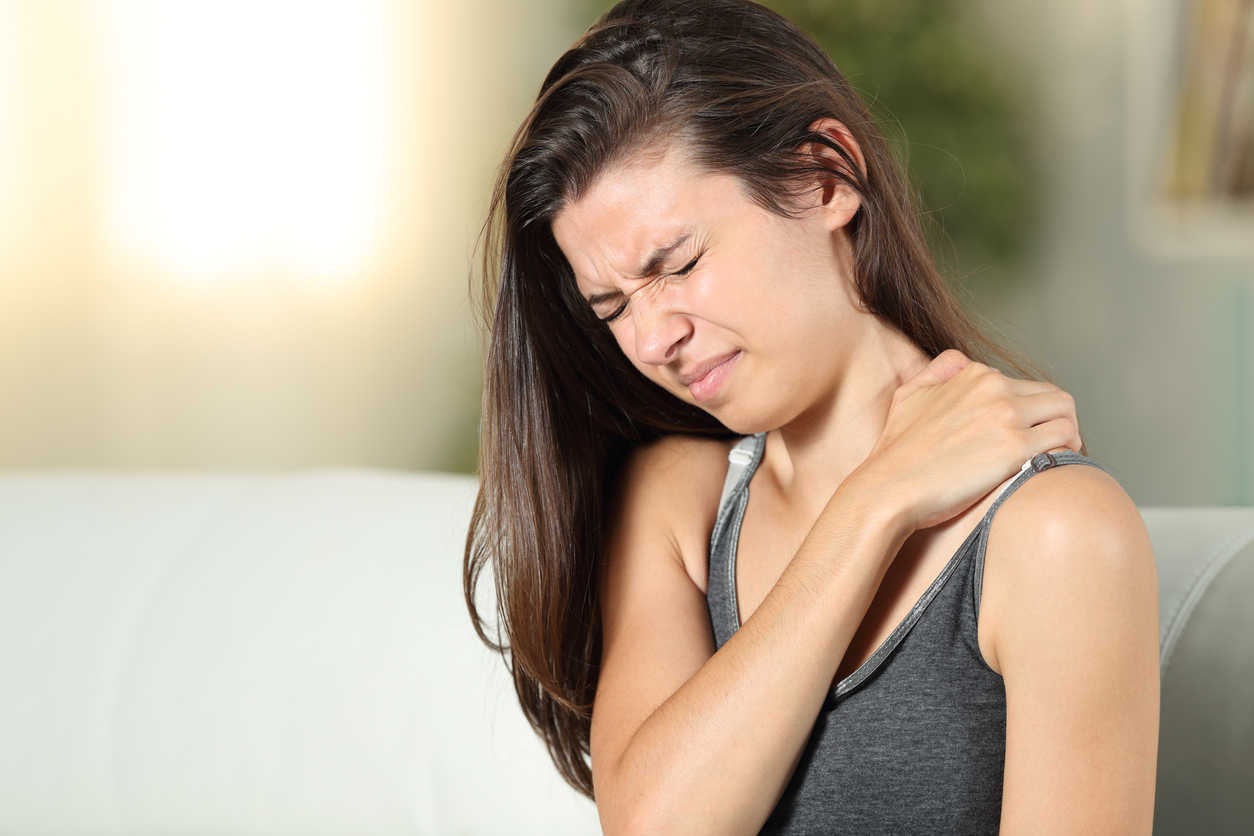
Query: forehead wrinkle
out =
(622, 229)
(656, 258)
(659, 256)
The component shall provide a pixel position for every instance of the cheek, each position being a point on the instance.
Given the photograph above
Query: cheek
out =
(736, 308)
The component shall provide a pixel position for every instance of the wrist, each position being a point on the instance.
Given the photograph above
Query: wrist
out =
(880, 504)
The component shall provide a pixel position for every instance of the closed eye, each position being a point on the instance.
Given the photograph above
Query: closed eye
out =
(688, 268)
(683, 271)
(617, 313)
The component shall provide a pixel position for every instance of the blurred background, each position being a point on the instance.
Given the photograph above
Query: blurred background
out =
(238, 233)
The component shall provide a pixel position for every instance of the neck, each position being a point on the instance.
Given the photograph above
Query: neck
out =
(810, 456)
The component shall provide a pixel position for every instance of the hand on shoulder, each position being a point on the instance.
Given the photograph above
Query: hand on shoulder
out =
(957, 429)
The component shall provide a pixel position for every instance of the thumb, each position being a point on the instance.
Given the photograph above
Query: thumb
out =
(947, 364)
(943, 366)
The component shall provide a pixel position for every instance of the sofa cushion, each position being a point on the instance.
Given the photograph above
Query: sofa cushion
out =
(255, 654)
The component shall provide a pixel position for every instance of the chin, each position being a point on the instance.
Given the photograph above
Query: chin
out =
(743, 422)
(740, 419)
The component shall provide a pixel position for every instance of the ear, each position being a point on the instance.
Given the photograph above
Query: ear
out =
(836, 199)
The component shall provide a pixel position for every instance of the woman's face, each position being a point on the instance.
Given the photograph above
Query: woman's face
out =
(749, 315)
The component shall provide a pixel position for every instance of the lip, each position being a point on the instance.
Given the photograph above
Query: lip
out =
(707, 378)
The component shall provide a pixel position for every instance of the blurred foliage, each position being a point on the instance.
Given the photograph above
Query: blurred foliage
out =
(948, 101)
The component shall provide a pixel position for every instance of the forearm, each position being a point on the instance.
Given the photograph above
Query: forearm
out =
(688, 740)
(717, 754)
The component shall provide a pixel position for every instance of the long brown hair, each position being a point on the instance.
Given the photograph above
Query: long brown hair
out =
(739, 87)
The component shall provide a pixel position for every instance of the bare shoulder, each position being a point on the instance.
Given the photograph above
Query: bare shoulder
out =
(670, 489)
(1071, 506)
(1068, 544)
(1070, 620)
(1069, 513)
(654, 620)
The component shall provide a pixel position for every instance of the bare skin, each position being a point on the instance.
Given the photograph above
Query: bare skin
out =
(878, 464)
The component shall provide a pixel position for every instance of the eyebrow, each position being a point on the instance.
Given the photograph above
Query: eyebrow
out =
(598, 298)
(650, 266)
(660, 255)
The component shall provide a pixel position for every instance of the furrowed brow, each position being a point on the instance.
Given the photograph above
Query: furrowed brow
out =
(660, 255)
(598, 298)
(655, 260)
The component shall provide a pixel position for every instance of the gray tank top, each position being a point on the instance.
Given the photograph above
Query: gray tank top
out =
(913, 741)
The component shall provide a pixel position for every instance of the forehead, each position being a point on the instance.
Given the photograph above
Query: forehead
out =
(632, 210)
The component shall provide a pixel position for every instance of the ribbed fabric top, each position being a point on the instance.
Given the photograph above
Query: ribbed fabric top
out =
(914, 740)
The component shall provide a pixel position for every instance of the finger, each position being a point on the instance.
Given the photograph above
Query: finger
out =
(1029, 387)
(1057, 434)
(1076, 444)
(942, 367)
(1046, 406)
(947, 364)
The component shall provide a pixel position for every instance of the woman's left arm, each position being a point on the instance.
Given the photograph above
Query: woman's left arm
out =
(1069, 618)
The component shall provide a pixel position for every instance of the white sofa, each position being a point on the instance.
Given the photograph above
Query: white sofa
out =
(290, 654)
(278, 654)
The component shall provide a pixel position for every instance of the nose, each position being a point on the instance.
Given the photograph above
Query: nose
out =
(660, 331)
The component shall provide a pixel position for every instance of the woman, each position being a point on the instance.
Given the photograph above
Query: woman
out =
(700, 251)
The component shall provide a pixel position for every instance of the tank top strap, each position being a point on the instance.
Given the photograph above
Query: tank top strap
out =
(742, 463)
(1037, 464)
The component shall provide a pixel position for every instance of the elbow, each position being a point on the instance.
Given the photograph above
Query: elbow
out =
(644, 818)
(619, 819)
(637, 814)
(634, 825)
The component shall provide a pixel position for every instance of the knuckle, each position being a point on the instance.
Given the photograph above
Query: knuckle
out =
(990, 384)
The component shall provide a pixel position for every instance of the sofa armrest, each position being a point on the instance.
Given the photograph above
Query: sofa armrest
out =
(1205, 560)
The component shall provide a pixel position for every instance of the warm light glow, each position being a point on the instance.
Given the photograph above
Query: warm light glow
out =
(11, 87)
(245, 135)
